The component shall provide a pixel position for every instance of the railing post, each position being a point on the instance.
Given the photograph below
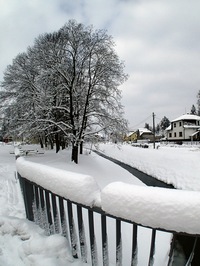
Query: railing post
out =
(55, 213)
(48, 213)
(134, 246)
(43, 210)
(152, 249)
(37, 213)
(28, 193)
(190, 259)
(104, 240)
(118, 243)
(72, 231)
(23, 190)
(92, 238)
(82, 239)
(171, 252)
(62, 217)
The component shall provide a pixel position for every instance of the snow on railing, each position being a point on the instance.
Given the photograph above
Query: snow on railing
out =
(63, 183)
(51, 194)
(175, 210)
(169, 209)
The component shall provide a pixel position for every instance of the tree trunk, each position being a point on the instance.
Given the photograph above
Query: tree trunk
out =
(57, 140)
(51, 142)
(63, 145)
(81, 147)
(41, 143)
(46, 142)
(75, 153)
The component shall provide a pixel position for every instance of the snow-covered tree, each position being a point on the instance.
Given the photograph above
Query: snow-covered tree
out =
(69, 81)
(19, 94)
(146, 125)
(157, 129)
(193, 110)
(90, 73)
(164, 123)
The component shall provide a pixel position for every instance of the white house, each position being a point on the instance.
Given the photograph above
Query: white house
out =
(185, 127)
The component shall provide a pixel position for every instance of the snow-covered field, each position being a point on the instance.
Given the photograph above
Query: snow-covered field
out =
(23, 243)
(173, 164)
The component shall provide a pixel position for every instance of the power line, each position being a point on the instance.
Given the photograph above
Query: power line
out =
(135, 126)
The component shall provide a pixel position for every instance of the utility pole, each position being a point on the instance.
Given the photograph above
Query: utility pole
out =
(153, 130)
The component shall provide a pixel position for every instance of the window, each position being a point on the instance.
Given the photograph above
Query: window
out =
(175, 134)
(180, 134)
(174, 124)
(170, 135)
(179, 124)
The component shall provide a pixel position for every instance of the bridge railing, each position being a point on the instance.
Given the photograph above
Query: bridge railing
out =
(98, 237)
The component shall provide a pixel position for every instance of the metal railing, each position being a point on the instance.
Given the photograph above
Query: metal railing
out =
(82, 229)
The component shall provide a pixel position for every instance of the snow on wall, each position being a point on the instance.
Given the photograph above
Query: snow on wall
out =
(76, 187)
(170, 209)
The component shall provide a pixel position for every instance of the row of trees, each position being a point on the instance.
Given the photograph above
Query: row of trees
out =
(65, 88)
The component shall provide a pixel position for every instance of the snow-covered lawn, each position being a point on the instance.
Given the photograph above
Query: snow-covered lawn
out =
(173, 164)
(23, 243)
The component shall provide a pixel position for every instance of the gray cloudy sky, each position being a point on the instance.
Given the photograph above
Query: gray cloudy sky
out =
(159, 40)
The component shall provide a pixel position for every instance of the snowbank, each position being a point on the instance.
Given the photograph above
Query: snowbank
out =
(170, 209)
(76, 187)
(24, 243)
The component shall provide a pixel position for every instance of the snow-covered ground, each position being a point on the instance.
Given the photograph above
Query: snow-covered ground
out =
(24, 243)
(173, 164)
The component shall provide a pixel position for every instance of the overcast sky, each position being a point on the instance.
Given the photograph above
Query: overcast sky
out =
(159, 41)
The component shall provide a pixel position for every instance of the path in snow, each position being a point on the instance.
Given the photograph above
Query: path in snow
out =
(10, 195)
(145, 178)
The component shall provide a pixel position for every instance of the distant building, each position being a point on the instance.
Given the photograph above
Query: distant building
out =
(140, 134)
(185, 127)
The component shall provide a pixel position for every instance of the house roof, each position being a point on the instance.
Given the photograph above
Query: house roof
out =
(195, 133)
(187, 117)
(169, 127)
(144, 130)
(130, 133)
(141, 131)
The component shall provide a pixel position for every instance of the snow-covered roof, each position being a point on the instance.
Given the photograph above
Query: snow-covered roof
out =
(144, 130)
(131, 132)
(169, 127)
(187, 117)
